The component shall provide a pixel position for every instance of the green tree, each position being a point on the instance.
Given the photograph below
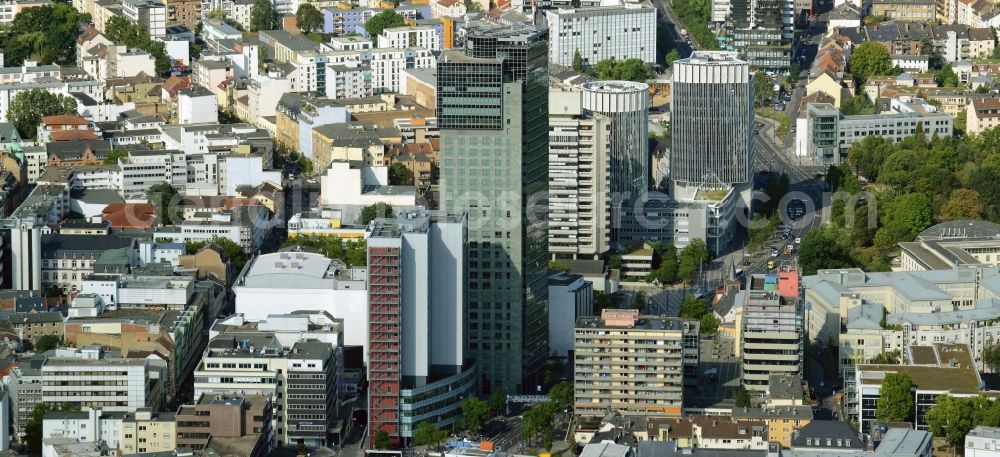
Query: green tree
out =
(113, 156)
(868, 155)
(824, 248)
(763, 88)
(869, 59)
(691, 258)
(498, 401)
(671, 57)
(399, 175)
(742, 397)
(381, 21)
(216, 14)
(886, 358)
(558, 266)
(427, 434)
(382, 440)
(378, 210)
(124, 32)
(308, 18)
(895, 398)
(708, 325)
(946, 77)
(953, 418)
(562, 395)
(29, 107)
(907, 215)
(858, 104)
(47, 343)
(628, 70)
(577, 61)
(235, 254)
(793, 75)
(44, 33)
(991, 356)
(601, 301)
(33, 429)
(263, 16)
(476, 412)
(693, 307)
(165, 198)
(962, 204)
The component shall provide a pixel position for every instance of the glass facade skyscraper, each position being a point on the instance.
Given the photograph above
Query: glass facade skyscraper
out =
(492, 110)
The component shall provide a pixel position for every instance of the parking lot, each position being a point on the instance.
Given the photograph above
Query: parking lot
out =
(715, 389)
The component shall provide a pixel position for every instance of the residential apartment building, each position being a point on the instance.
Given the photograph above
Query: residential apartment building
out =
(982, 441)
(505, 68)
(905, 10)
(579, 169)
(243, 420)
(66, 259)
(772, 337)
(618, 30)
(381, 66)
(417, 336)
(149, 14)
(146, 430)
(419, 36)
(982, 114)
(651, 355)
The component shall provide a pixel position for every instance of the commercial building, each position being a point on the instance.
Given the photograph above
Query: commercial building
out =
(982, 441)
(633, 364)
(417, 293)
(626, 105)
(503, 74)
(711, 128)
(905, 10)
(952, 244)
(80, 376)
(301, 379)
(827, 135)
(579, 173)
(240, 422)
(762, 32)
(615, 30)
(772, 338)
(294, 280)
(570, 297)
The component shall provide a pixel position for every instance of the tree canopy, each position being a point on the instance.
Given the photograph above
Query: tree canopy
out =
(122, 31)
(381, 21)
(28, 107)
(427, 434)
(691, 258)
(400, 175)
(763, 88)
(870, 59)
(46, 33)
(352, 252)
(309, 18)
(627, 70)
(233, 251)
(165, 198)
(825, 247)
(476, 412)
(895, 398)
(375, 211)
(263, 16)
(952, 418)
(382, 440)
(858, 104)
(47, 343)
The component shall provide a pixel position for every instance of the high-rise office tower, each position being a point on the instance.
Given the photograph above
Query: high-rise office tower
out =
(626, 103)
(417, 331)
(492, 111)
(579, 200)
(711, 121)
(762, 32)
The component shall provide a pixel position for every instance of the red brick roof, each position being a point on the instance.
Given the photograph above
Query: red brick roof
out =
(130, 215)
(64, 119)
(66, 135)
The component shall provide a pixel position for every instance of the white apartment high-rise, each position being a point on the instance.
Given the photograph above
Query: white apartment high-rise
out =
(616, 31)
(579, 199)
(416, 268)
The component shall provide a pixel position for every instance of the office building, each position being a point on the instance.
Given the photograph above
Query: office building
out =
(81, 377)
(762, 32)
(772, 337)
(492, 102)
(982, 441)
(614, 30)
(570, 296)
(579, 167)
(952, 244)
(301, 379)
(711, 128)
(626, 105)
(633, 364)
(417, 295)
(238, 422)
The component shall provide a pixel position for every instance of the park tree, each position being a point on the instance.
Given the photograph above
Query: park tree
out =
(427, 434)
(870, 59)
(399, 175)
(824, 248)
(263, 16)
(47, 343)
(962, 204)
(895, 398)
(382, 440)
(763, 86)
(868, 155)
(562, 395)
(29, 107)
(904, 218)
(308, 18)
(476, 412)
(376, 211)
(381, 21)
